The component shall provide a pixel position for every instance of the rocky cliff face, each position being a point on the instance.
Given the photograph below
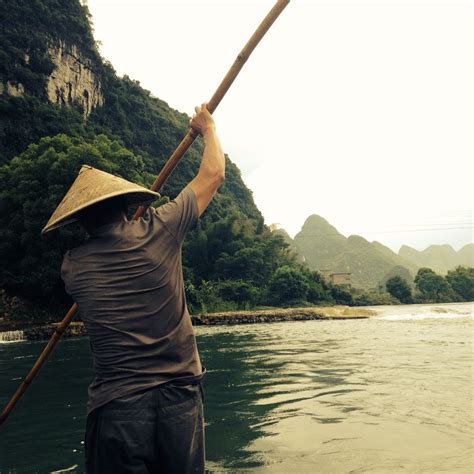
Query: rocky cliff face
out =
(12, 88)
(73, 79)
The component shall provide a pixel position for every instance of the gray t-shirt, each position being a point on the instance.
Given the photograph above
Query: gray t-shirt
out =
(128, 284)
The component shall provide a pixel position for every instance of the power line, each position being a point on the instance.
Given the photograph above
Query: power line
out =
(434, 229)
(393, 231)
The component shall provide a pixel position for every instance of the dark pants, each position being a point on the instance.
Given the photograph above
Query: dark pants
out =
(157, 431)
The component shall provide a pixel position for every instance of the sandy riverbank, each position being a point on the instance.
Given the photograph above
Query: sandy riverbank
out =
(283, 314)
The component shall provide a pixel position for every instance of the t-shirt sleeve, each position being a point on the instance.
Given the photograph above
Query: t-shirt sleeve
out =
(180, 214)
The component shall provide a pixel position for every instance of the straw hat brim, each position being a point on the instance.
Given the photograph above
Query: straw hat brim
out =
(133, 198)
(91, 187)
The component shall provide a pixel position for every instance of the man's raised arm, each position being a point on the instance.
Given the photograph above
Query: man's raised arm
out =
(212, 170)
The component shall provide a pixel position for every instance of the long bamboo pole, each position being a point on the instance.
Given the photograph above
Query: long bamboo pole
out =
(163, 175)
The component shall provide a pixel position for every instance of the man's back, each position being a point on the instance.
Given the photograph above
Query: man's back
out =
(145, 410)
(127, 281)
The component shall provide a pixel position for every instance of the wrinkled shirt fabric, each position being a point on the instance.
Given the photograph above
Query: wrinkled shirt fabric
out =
(128, 284)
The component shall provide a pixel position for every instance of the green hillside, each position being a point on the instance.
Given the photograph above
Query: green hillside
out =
(466, 255)
(289, 241)
(308, 242)
(144, 124)
(370, 263)
(441, 258)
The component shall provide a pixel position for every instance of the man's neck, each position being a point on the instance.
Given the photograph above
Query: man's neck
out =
(94, 222)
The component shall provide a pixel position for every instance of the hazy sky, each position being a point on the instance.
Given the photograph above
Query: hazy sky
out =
(360, 112)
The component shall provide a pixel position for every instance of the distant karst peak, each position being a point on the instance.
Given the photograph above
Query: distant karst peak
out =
(318, 223)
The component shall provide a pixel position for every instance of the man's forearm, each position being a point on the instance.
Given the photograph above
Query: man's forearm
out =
(213, 160)
(212, 170)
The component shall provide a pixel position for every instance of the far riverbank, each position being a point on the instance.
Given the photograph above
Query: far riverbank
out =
(15, 330)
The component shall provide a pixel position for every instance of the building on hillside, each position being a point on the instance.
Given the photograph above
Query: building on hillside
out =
(337, 278)
(326, 274)
(341, 278)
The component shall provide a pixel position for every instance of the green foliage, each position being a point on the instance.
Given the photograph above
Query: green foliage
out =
(319, 291)
(227, 295)
(232, 249)
(193, 297)
(25, 120)
(341, 295)
(374, 298)
(462, 282)
(288, 286)
(207, 297)
(399, 288)
(3, 303)
(433, 288)
(241, 292)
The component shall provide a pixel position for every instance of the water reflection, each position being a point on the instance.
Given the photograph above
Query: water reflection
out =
(233, 419)
(258, 377)
(45, 430)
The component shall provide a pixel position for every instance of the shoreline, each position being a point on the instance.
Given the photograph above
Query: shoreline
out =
(283, 314)
(38, 332)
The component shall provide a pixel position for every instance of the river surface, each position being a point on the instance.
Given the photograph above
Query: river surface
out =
(393, 393)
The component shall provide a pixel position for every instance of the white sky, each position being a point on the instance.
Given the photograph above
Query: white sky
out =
(360, 112)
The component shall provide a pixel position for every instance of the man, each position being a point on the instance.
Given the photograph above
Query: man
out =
(145, 412)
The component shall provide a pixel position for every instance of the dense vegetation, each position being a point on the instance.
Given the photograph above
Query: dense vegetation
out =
(430, 287)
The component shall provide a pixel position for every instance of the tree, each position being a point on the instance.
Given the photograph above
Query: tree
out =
(239, 291)
(462, 282)
(245, 263)
(433, 288)
(318, 288)
(341, 295)
(288, 285)
(399, 288)
(373, 298)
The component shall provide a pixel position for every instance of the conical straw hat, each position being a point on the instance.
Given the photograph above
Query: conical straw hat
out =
(92, 186)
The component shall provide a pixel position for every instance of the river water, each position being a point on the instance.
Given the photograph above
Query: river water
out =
(393, 393)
